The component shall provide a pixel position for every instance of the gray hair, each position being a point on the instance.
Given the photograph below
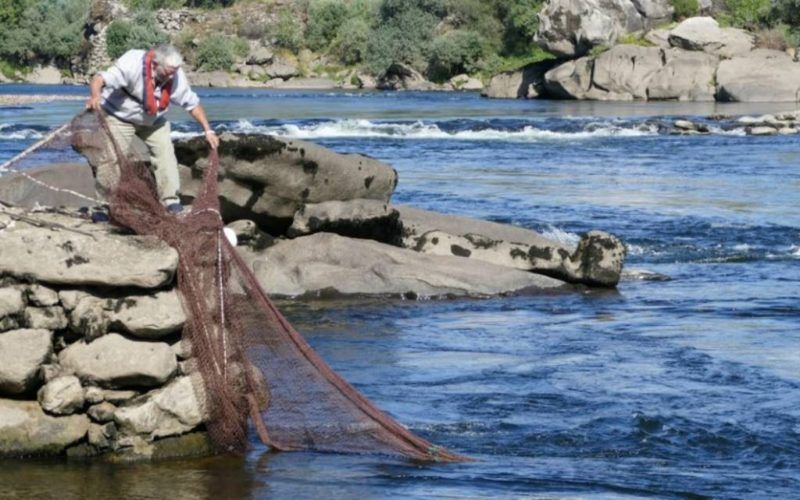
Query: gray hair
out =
(167, 55)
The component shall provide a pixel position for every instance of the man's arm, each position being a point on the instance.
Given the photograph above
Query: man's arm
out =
(199, 114)
(95, 87)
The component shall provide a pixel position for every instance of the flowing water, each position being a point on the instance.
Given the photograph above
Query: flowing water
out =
(679, 387)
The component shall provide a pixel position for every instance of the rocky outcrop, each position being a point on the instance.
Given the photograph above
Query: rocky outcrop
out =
(401, 76)
(526, 83)
(704, 34)
(597, 260)
(762, 75)
(266, 179)
(631, 72)
(81, 256)
(570, 28)
(326, 264)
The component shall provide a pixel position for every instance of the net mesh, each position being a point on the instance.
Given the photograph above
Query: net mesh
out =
(255, 367)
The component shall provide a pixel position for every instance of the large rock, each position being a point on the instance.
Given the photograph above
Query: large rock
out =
(22, 353)
(515, 247)
(91, 256)
(326, 263)
(44, 75)
(370, 219)
(685, 76)
(571, 80)
(760, 76)
(465, 82)
(149, 316)
(525, 83)
(570, 28)
(116, 362)
(401, 76)
(62, 395)
(625, 70)
(282, 67)
(26, 430)
(597, 261)
(268, 179)
(175, 409)
(704, 34)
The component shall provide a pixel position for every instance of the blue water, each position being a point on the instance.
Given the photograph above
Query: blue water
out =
(688, 387)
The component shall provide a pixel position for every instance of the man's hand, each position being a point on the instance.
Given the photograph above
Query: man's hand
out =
(93, 103)
(212, 139)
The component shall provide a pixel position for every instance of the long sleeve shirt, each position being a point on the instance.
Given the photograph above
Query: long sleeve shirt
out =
(123, 92)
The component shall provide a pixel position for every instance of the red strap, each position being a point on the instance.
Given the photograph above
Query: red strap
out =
(150, 106)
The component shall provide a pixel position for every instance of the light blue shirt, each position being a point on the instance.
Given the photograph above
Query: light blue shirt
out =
(123, 93)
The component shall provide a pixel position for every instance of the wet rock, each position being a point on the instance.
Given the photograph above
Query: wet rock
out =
(102, 436)
(370, 219)
(175, 409)
(26, 430)
(22, 353)
(62, 396)
(194, 444)
(328, 264)
(116, 362)
(762, 131)
(45, 318)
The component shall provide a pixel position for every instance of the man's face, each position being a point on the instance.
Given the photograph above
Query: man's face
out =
(164, 73)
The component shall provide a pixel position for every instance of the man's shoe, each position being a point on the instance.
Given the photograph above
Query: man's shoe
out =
(99, 217)
(175, 208)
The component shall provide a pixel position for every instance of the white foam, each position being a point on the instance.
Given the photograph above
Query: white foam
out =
(795, 250)
(564, 237)
(420, 131)
(26, 133)
(742, 247)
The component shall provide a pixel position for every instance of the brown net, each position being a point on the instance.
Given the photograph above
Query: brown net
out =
(254, 365)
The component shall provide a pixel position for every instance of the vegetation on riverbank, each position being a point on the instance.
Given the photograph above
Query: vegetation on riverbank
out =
(439, 38)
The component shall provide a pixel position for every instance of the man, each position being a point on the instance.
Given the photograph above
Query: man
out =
(135, 93)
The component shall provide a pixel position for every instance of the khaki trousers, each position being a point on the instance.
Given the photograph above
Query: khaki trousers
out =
(164, 165)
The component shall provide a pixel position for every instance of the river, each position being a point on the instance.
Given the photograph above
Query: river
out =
(679, 387)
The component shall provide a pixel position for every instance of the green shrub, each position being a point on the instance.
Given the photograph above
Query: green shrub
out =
(520, 23)
(217, 52)
(788, 12)
(288, 30)
(685, 8)
(456, 52)
(150, 5)
(404, 34)
(141, 33)
(352, 40)
(324, 19)
(748, 13)
(42, 30)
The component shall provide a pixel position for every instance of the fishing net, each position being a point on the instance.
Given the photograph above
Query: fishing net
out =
(254, 365)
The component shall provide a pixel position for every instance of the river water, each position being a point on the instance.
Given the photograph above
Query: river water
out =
(679, 387)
